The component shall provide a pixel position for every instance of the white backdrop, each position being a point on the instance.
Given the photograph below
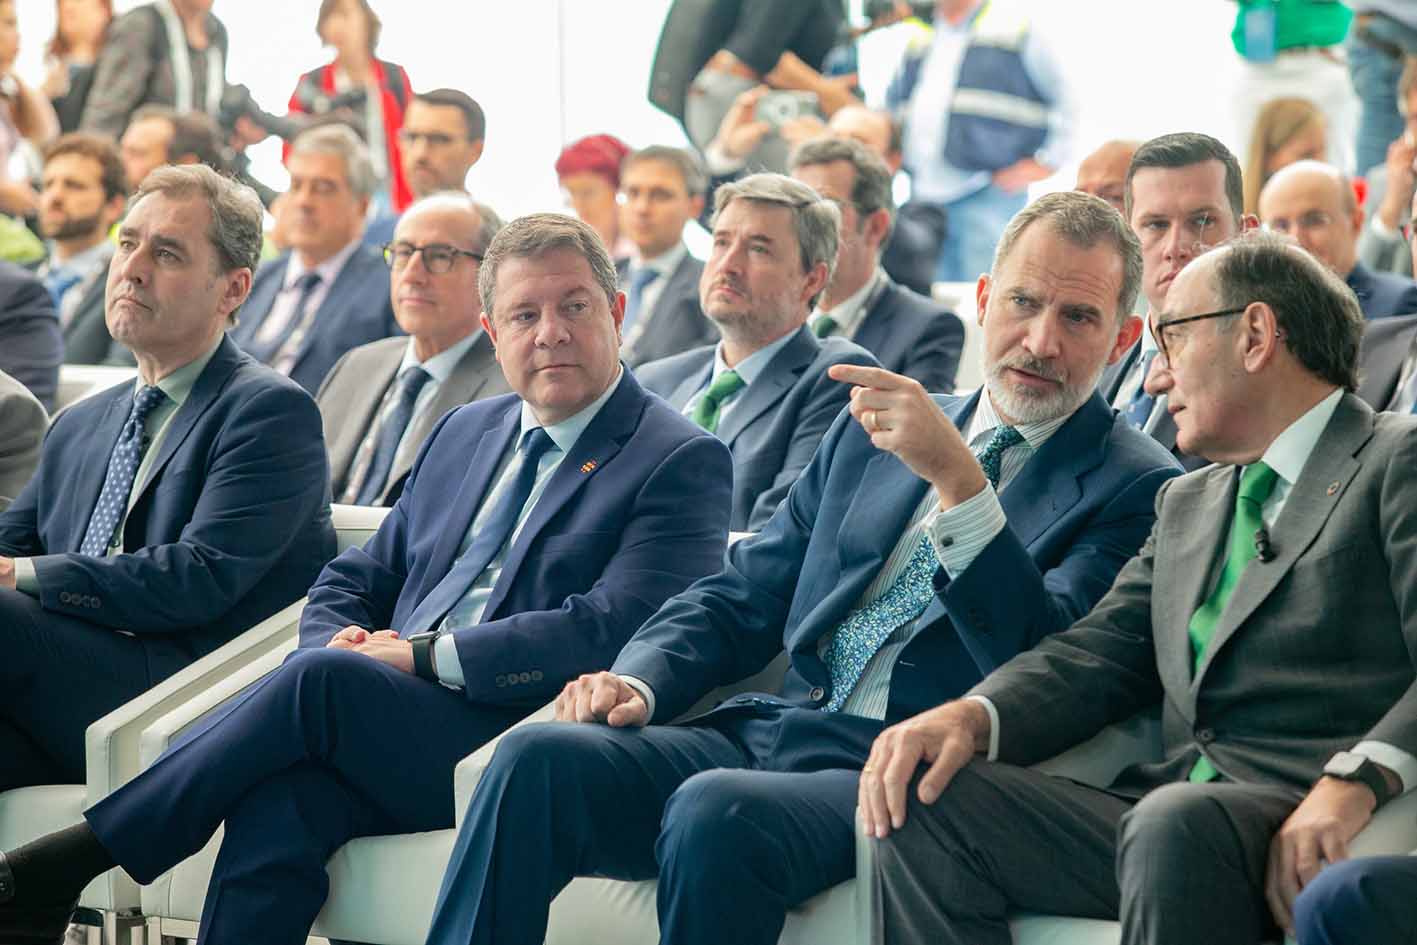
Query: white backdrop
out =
(548, 71)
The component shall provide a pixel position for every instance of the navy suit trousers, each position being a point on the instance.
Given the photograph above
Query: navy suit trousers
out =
(333, 745)
(58, 675)
(752, 805)
(1368, 901)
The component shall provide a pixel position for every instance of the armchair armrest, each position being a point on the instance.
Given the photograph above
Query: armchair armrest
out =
(1392, 830)
(112, 744)
(355, 524)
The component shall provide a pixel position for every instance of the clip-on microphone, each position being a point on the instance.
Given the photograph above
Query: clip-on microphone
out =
(1263, 549)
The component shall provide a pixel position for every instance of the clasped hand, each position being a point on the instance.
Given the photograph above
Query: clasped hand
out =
(601, 697)
(382, 645)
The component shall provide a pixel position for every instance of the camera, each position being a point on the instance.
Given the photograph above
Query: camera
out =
(778, 108)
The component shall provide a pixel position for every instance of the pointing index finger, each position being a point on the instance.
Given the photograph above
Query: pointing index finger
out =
(863, 376)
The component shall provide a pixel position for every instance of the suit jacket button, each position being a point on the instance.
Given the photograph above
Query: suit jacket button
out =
(536, 675)
(501, 681)
(817, 694)
(64, 597)
(95, 603)
(1205, 735)
(524, 677)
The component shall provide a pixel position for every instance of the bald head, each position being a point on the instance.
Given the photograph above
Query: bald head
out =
(872, 128)
(1315, 203)
(1103, 173)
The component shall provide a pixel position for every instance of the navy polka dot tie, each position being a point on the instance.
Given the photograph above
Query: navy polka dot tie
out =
(122, 469)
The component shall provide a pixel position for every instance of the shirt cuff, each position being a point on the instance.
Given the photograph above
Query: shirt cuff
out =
(646, 693)
(445, 659)
(959, 534)
(1390, 756)
(719, 163)
(25, 578)
(993, 726)
(1382, 231)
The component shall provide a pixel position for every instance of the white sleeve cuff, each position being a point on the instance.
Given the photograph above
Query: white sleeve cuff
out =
(26, 581)
(719, 163)
(445, 656)
(993, 726)
(646, 693)
(1390, 756)
(959, 534)
(1384, 232)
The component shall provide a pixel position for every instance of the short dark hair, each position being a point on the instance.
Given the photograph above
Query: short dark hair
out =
(472, 115)
(870, 178)
(197, 134)
(1185, 149)
(375, 24)
(1317, 313)
(690, 168)
(97, 148)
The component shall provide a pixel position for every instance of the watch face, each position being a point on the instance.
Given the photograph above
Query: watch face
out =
(1345, 764)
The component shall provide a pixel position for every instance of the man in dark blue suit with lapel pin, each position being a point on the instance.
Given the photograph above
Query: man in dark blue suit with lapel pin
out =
(763, 389)
(928, 542)
(164, 518)
(908, 333)
(330, 292)
(1315, 203)
(534, 535)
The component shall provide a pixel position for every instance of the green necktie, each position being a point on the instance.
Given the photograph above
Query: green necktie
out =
(1256, 483)
(824, 325)
(723, 387)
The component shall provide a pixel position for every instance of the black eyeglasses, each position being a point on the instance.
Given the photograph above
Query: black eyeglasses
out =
(1159, 329)
(438, 258)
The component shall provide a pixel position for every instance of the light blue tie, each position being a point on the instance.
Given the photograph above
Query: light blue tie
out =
(1139, 407)
(122, 469)
(634, 299)
(863, 631)
(59, 281)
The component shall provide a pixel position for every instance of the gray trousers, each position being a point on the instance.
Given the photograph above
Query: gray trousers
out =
(1184, 864)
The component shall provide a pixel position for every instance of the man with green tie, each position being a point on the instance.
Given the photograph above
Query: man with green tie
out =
(763, 388)
(1270, 615)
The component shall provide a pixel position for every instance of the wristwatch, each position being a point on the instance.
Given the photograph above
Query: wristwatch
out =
(1351, 766)
(425, 665)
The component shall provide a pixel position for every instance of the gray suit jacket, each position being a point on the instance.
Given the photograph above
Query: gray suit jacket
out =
(1110, 384)
(1313, 654)
(776, 421)
(1386, 343)
(350, 397)
(676, 323)
(22, 425)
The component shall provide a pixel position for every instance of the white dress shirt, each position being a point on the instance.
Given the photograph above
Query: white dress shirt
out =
(851, 311)
(468, 611)
(664, 264)
(287, 301)
(1286, 456)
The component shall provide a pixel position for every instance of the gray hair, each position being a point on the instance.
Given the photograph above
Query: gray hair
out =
(1318, 314)
(236, 211)
(342, 142)
(690, 168)
(871, 179)
(815, 219)
(537, 234)
(488, 222)
(1084, 221)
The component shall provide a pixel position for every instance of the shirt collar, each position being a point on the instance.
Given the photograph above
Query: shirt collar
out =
(568, 431)
(1290, 450)
(328, 270)
(82, 263)
(754, 364)
(849, 312)
(440, 366)
(178, 385)
(665, 263)
(986, 418)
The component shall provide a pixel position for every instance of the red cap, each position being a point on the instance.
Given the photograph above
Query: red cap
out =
(598, 154)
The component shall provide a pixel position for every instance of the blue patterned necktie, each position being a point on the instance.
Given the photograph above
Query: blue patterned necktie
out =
(495, 531)
(59, 281)
(390, 434)
(1139, 407)
(122, 468)
(863, 631)
(634, 299)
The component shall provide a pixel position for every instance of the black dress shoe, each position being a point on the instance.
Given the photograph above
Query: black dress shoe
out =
(22, 924)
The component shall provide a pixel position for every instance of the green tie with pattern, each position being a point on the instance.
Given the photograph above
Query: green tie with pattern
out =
(824, 325)
(723, 387)
(1256, 483)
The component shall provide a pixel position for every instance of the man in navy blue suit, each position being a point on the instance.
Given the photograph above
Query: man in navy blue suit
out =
(535, 533)
(928, 541)
(908, 333)
(165, 517)
(330, 293)
(1315, 203)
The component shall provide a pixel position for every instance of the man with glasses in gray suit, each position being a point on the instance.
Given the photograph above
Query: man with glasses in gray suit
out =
(1270, 615)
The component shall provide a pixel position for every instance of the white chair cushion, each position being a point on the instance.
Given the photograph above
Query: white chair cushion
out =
(29, 813)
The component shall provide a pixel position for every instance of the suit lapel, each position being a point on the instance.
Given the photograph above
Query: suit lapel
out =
(768, 387)
(346, 282)
(94, 468)
(469, 376)
(1384, 363)
(693, 382)
(1321, 484)
(593, 450)
(204, 393)
(1112, 377)
(357, 417)
(263, 296)
(487, 462)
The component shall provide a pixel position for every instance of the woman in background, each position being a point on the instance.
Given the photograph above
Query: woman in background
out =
(80, 28)
(369, 92)
(589, 173)
(27, 122)
(1287, 130)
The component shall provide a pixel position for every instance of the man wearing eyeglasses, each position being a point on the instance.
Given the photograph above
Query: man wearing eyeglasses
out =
(329, 293)
(1269, 618)
(380, 400)
(1315, 203)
